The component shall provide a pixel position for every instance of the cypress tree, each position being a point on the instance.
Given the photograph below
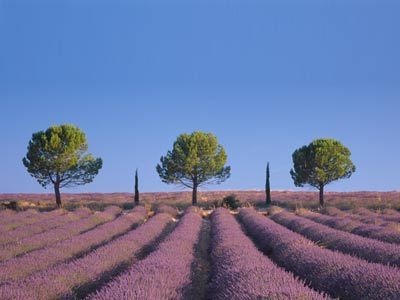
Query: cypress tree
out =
(267, 187)
(136, 188)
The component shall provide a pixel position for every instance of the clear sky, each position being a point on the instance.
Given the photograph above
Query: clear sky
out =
(265, 76)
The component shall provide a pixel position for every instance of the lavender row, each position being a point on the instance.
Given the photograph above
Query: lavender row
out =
(61, 281)
(240, 271)
(376, 220)
(393, 215)
(27, 218)
(162, 208)
(165, 273)
(48, 222)
(376, 232)
(6, 213)
(365, 248)
(369, 218)
(390, 212)
(64, 232)
(19, 267)
(338, 274)
(9, 217)
(366, 216)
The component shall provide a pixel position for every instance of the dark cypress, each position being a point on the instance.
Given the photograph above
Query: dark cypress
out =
(136, 188)
(267, 187)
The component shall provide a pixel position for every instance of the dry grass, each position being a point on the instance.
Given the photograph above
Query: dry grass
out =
(333, 211)
(388, 201)
(274, 210)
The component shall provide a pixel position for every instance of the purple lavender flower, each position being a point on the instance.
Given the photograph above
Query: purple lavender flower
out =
(369, 249)
(64, 232)
(25, 218)
(165, 273)
(240, 271)
(385, 234)
(338, 274)
(60, 281)
(46, 223)
(19, 267)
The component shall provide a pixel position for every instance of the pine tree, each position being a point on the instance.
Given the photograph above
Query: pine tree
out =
(321, 162)
(196, 159)
(58, 156)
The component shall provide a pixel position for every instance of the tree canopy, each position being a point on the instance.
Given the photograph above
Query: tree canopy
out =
(320, 163)
(196, 159)
(58, 156)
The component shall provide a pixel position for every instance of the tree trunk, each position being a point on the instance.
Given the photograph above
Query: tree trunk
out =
(194, 195)
(58, 195)
(321, 195)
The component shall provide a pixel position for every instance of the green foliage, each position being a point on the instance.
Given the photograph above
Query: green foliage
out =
(231, 202)
(195, 160)
(320, 163)
(57, 156)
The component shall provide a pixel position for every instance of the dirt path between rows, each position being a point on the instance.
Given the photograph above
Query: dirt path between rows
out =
(201, 267)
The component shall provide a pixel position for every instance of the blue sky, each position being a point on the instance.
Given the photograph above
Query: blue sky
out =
(265, 76)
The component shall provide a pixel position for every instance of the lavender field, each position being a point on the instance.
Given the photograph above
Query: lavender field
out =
(194, 253)
(199, 150)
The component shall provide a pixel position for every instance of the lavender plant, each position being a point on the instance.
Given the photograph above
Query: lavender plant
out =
(11, 217)
(364, 215)
(365, 248)
(240, 271)
(165, 273)
(6, 213)
(367, 215)
(340, 275)
(19, 267)
(162, 208)
(62, 281)
(385, 234)
(26, 218)
(64, 232)
(47, 223)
